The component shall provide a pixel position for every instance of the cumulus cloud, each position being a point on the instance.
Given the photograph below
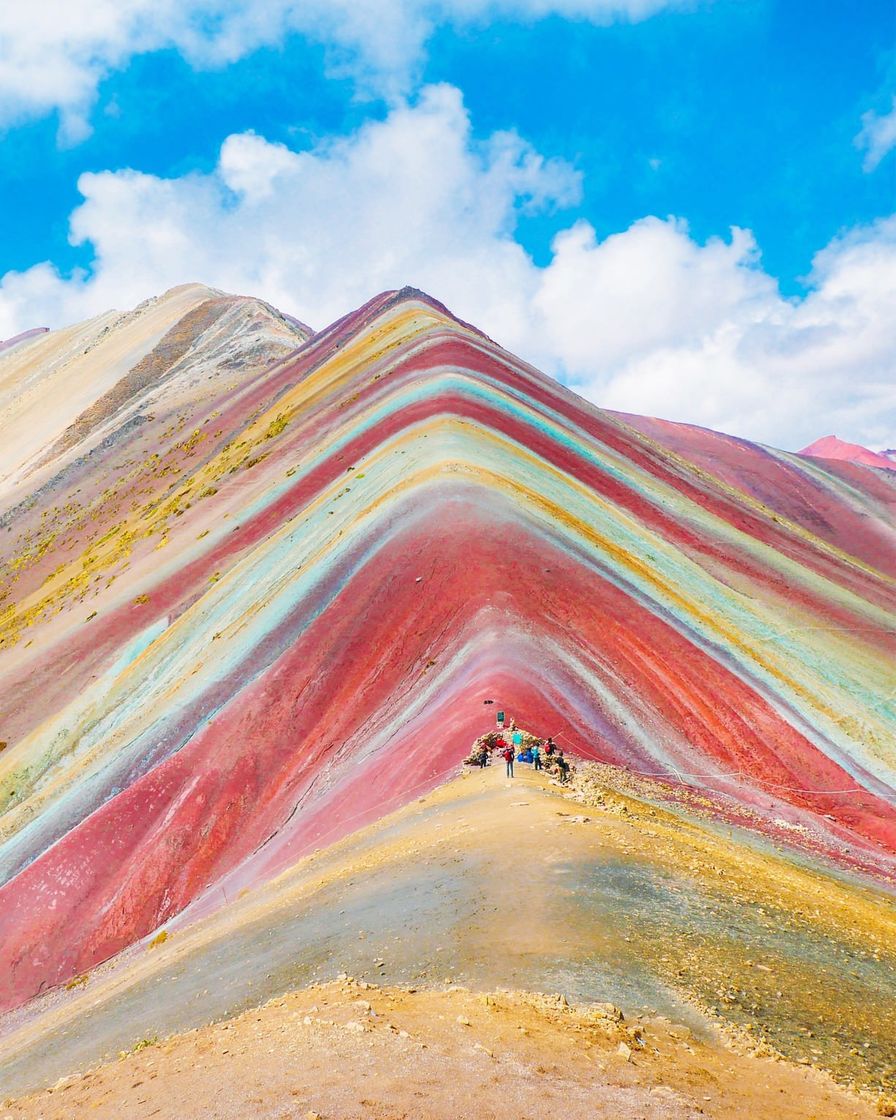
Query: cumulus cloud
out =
(646, 320)
(409, 199)
(55, 53)
(878, 135)
(693, 332)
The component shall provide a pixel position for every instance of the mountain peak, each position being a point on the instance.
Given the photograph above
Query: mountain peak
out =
(830, 447)
(78, 381)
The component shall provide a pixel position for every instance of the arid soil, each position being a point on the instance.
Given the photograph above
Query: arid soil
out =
(754, 982)
(344, 1050)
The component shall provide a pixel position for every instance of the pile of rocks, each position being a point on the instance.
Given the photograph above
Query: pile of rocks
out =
(488, 742)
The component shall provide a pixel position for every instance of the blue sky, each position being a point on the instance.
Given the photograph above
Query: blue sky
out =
(751, 110)
(772, 117)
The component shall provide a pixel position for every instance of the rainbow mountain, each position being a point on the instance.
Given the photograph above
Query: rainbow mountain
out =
(258, 584)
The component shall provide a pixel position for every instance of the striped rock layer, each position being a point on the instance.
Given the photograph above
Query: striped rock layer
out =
(258, 583)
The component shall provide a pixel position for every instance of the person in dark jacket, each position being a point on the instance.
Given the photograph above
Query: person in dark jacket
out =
(562, 765)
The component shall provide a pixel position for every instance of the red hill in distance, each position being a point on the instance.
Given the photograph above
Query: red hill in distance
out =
(829, 447)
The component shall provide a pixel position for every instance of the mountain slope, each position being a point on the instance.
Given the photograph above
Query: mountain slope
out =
(650, 928)
(64, 387)
(256, 597)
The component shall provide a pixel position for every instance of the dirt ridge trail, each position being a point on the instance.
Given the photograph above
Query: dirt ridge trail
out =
(491, 883)
(351, 1050)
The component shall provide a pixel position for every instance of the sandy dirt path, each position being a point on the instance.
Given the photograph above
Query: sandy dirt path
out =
(343, 1051)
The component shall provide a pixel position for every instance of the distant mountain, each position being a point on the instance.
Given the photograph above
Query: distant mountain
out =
(257, 584)
(25, 336)
(829, 447)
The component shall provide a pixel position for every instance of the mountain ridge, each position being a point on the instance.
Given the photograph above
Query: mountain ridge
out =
(230, 628)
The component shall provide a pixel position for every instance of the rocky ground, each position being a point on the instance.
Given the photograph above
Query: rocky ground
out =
(350, 1050)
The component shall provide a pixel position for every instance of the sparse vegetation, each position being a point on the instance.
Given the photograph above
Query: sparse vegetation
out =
(277, 425)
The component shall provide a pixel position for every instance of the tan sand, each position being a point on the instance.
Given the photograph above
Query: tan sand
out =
(341, 1051)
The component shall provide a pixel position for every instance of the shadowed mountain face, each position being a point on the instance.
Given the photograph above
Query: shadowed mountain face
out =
(258, 583)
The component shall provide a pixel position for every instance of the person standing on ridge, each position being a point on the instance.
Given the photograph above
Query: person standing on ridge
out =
(516, 740)
(562, 765)
(508, 758)
(536, 756)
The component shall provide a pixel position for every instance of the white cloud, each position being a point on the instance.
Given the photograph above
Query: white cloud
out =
(620, 300)
(55, 53)
(410, 199)
(878, 135)
(647, 320)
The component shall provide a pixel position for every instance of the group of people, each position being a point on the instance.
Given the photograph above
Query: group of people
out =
(535, 755)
